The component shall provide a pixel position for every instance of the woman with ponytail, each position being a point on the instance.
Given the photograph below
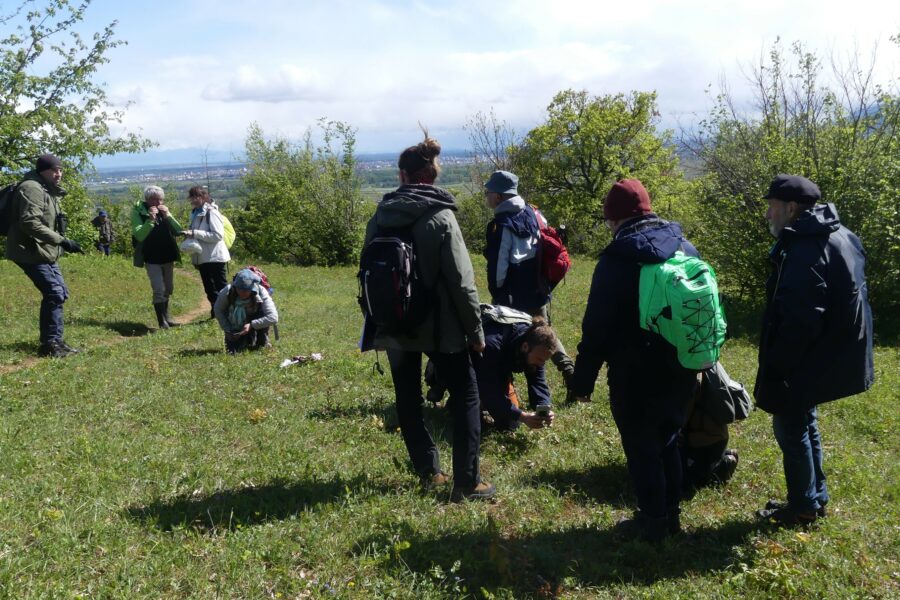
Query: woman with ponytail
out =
(451, 328)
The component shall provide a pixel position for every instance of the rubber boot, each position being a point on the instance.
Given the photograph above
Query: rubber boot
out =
(160, 315)
(167, 316)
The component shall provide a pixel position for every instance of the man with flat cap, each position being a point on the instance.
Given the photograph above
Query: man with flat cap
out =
(816, 342)
(35, 241)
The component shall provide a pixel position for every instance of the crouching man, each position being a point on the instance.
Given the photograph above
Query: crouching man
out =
(510, 348)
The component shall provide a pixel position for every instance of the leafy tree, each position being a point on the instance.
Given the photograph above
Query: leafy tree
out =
(49, 101)
(587, 143)
(843, 136)
(304, 204)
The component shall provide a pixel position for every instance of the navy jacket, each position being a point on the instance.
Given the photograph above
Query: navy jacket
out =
(495, 367)
(816, 342)
(646, 381)
(523, 288)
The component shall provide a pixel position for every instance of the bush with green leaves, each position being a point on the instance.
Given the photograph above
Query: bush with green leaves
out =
(568, 163)
(840, 131)
(303, 201)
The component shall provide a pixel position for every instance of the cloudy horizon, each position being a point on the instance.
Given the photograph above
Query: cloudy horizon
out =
(196, 73)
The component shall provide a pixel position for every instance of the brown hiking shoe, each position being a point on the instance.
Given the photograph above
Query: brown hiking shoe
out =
(482, 491)
(435, 480)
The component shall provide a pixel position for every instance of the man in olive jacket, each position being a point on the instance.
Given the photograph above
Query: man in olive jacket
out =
(816, 343)
(35, 241)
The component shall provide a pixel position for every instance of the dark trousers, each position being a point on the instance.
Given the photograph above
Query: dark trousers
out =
(254, 340)
(406, 371)
(654, 462)
(214, 278)
(48, 279)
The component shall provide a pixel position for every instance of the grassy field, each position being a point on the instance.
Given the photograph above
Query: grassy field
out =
(152, 465)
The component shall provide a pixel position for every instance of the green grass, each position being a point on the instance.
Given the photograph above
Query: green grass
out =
(154, 466)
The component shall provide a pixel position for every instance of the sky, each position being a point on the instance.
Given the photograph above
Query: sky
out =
(195, 73)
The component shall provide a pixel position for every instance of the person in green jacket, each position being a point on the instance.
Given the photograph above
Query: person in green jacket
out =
(35, 241)
(452, 327)
(153, 230)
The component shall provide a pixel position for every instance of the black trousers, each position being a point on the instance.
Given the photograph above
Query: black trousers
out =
(214, 279)
(406, 370)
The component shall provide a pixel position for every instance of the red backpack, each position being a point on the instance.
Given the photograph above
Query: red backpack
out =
(552, 253)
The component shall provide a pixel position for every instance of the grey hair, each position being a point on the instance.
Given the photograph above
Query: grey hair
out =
(154, 190)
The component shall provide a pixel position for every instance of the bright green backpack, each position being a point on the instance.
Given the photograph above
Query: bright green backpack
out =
(679, 300)
(230, 234)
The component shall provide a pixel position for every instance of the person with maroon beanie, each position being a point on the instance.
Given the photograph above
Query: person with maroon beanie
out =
(649, 390)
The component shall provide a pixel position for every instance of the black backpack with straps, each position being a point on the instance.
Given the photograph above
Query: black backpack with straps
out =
(392, 293)
(6, 207)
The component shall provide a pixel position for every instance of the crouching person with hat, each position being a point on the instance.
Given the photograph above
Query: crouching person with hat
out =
(245, 311)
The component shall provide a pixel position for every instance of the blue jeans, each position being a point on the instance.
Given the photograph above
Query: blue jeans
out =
(798, 437)
(48, 279)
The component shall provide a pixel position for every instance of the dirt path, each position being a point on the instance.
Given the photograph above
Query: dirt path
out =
(201, 309)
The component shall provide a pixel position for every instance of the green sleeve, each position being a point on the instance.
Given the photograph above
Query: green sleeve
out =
(140, 228)
(31, 216)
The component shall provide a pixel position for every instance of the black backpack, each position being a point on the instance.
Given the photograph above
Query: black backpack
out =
(391, 291)
(6, 207)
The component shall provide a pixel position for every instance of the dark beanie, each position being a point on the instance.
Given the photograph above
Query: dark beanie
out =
(626, 199)
(46, 161)
(793, 188)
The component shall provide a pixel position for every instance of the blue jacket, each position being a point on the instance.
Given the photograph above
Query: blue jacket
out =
(644, 375)
(816, 342)
(513, 263)
(495, 367)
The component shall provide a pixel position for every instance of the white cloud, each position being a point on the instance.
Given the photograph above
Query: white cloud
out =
(287, 83)
(383, 66)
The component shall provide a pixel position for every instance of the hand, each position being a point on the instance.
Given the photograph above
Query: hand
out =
(71, 246)
(153, 212)
(536, 421)
(188, 232)
(163, 210)
(244, 331)
(477, 346)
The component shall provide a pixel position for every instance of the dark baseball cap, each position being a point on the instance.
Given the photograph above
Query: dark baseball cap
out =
(793, 188)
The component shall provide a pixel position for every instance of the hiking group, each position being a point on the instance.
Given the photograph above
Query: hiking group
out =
(35, 229)
(653, 317)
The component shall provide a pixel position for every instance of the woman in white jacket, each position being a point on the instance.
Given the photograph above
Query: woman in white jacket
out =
(208, 229)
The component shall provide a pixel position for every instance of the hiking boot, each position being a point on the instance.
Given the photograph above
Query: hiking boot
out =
(56, 350)
(482, 491)
(160, 315)
(786, 516)
(821, 513)
(726, 467)
(69, 348)
(435, 480)
(648, 529)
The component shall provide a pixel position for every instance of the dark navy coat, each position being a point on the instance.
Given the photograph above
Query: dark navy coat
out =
(646, 381)
(523, 288)
(816, 342)
(494, 369)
